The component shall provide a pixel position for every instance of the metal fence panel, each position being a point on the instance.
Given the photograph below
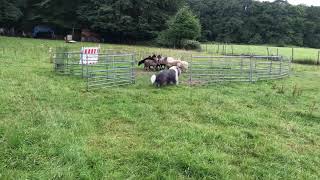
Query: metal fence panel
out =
(212, 69)
(110, 70)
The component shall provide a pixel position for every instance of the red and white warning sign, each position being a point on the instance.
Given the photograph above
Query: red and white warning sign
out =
(89, 55)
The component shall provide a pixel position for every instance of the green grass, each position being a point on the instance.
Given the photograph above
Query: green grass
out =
(300, 55)
(51, 128)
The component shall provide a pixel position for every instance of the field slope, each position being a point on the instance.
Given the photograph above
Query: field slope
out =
(50, 127)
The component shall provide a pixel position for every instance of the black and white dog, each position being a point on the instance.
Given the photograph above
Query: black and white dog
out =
(166, 77)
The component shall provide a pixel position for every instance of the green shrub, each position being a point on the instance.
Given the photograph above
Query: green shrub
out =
(191, 45)
(184, 25)
(165, 40)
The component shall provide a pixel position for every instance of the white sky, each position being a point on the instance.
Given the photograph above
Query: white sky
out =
(306, 2)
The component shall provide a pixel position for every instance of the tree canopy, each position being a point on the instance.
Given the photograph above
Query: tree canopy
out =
(183, 26)
(10, 12)
(231, 21)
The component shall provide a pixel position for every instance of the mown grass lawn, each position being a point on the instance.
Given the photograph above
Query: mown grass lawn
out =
(50, 127)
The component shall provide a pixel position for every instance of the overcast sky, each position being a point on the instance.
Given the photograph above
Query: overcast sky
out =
(307, 2)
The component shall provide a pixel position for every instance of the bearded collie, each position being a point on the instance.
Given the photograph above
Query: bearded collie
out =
(167, 77)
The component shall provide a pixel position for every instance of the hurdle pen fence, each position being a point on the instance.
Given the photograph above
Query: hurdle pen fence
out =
(117, 69)
(213, 69)
(110, 70)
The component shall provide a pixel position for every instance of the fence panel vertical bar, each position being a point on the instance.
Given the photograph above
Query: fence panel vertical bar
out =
(87, 67)
(206, 69)
(270, 66)
(250, 71)
(190, 76)
(132, 69)
(241, 67)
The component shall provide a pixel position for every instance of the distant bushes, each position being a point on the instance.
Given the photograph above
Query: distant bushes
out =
(191, 45)
(183, 44)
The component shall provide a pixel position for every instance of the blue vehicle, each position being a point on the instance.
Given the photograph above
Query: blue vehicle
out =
(43, 32)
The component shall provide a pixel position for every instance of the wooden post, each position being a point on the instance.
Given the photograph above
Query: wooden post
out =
(318, 61)
(232, 49)
(218, 49)
(51, 55)
(222, 49)
(268, 53)
(213, 48)
(280, 72)
(206, 48)
(292, 55)
(15, 52)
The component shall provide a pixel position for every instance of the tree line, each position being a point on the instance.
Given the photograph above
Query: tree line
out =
(228, 21)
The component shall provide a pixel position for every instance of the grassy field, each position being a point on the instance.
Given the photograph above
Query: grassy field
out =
(51, 128)
(300, 55)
